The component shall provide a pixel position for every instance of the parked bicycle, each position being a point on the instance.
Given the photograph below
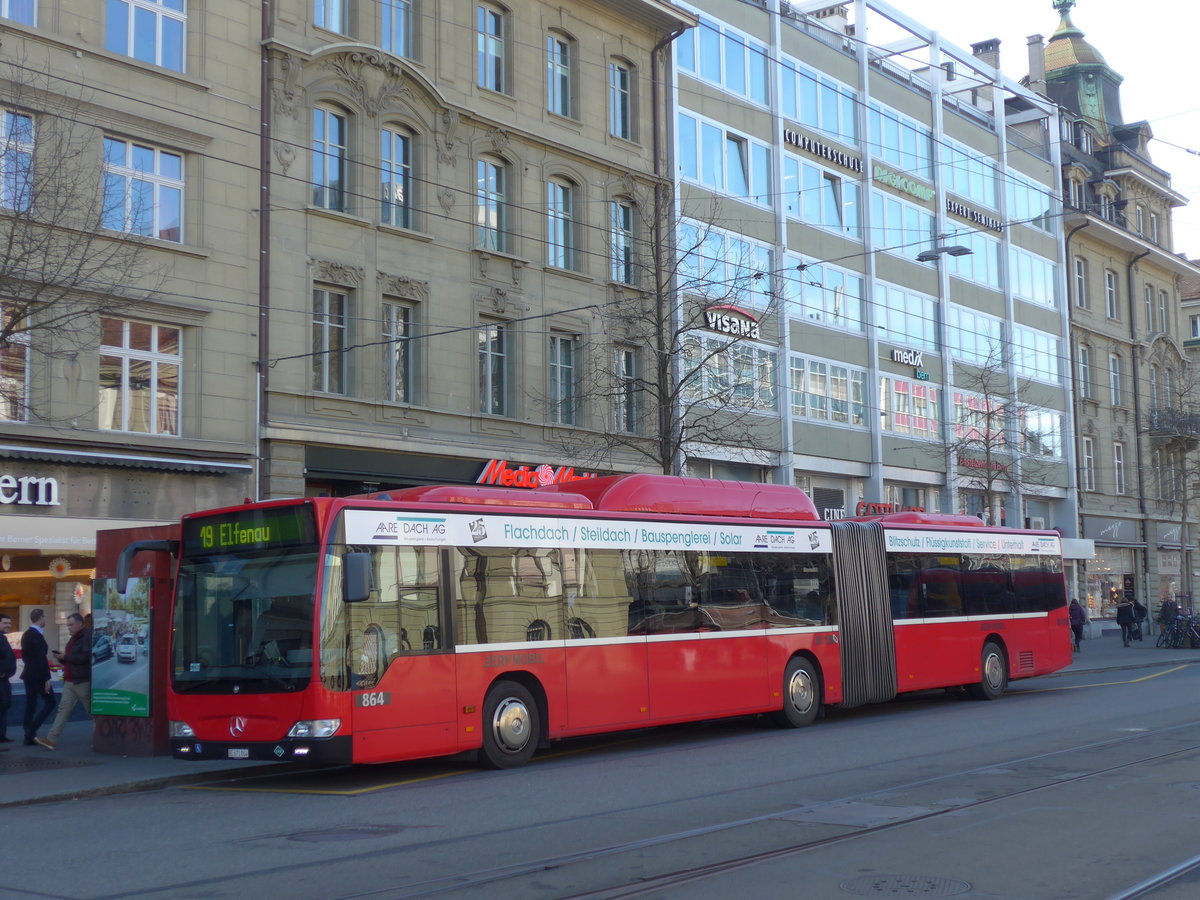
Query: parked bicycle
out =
(1182, 631)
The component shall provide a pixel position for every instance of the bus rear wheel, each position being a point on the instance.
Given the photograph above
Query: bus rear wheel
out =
(511, 725)
(801, 695)
(993, 674)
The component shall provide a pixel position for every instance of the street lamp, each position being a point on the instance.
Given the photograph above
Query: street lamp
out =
(934, 253)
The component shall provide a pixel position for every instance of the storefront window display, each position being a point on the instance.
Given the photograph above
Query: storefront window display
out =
(1110, 573)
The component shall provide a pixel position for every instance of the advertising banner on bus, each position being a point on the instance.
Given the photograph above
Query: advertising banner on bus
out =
(912, 541)
(372, 526)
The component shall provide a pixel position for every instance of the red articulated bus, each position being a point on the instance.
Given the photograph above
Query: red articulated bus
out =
(436, 620)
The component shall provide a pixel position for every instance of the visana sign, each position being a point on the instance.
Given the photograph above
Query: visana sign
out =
(28, 490)
(732, 321)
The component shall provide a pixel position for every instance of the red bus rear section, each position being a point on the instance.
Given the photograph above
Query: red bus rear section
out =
(444, 619)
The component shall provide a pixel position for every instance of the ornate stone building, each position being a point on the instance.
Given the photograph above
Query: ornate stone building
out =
(448, 212)
(1127, 329)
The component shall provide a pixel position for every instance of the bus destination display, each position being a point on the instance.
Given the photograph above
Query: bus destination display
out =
(259, 529)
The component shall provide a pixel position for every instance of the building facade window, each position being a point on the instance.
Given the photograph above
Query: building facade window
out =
(1114, 380)
(1087, 464)
(979, 419)
(818, 101)
(1194, 327)
(620, 100)
(1154, 227)
(625, 395)
(1041, 432)
(397, 26)
(828, 391)
(330, 321)
(1112, 307)
(23, 11)
(490, 48)
(395, 174)
(1139, 220)
(721, 264)
(899, 140)
(971, 174)
(1163, 312)
(1033, 277)
(153, 31)
(1074, 193)
(729, 373)
(909, 407)
(1149, 302)
(1154, 388)
(718, 54)
(143, 190)
(329, 151)
(821, 197)
(493, 368)
(139, 377)
(562, 379)
(1086, 391)
(974, 336)
(560, 61)
(901, 228)
(397, 364)
(561, 229)
(621, 241)
(1118, 467)
(724, 160)
(14, 370)
(16, 161)
(906, 317)
(1037, 354)
(332, 15)
(1081, 282)
(491, 204)
(825, 294)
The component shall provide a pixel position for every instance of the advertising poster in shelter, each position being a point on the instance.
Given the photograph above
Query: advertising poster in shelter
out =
(121, 648)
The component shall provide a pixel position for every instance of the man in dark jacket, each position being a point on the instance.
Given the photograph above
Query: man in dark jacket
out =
(8, 668)
(35, 653)
(77, 677)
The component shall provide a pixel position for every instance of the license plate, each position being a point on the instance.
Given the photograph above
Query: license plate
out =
(239, 753)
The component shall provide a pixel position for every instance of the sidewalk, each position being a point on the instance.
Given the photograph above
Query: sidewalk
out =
(36, 775)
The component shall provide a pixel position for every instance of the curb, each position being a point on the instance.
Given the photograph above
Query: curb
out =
(154, 784)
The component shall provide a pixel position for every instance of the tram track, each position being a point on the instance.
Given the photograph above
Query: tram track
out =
(491, 878)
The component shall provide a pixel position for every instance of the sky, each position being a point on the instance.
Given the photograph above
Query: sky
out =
(1152, 47)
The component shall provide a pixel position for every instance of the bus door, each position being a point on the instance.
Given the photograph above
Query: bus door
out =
(402, 668)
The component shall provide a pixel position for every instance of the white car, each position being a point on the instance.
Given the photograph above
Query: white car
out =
(127, 648)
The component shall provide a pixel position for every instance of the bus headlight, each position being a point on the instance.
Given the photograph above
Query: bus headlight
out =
(315, 728)
(181, 730)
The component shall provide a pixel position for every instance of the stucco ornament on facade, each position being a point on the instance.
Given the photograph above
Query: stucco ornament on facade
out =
(287, 96)
(403, 287)
(336, 273)
(371, 78)
(450, 120)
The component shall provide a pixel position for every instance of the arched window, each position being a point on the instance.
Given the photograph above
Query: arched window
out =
(491, 204)
(560, 74)
(395, 176)
(561, 228)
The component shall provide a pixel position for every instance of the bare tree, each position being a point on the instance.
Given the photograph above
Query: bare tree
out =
(1173, 428)
(70, 244)
(986, 422)
(677, 361)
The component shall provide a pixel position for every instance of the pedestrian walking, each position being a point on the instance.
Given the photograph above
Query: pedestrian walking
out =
(1125, 618)
(1140, 613)
(77, 677)
(35, 653)
(1078, 620)
(8, 668)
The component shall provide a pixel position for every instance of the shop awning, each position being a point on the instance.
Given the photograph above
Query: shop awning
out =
(123, 461)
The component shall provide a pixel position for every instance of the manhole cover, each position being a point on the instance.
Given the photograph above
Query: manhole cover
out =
(39, 763)
(346, 833)
(904, 886)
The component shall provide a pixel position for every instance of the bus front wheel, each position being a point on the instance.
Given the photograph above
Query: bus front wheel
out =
(993, 674)
(801, 695)
(511, 725)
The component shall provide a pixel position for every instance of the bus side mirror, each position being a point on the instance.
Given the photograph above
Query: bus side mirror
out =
(356, 577)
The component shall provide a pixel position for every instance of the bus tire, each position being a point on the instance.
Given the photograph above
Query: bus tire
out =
(801, 695)
(511, 725)
(993, 674)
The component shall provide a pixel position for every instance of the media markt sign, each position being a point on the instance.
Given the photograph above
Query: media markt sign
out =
(498, 471)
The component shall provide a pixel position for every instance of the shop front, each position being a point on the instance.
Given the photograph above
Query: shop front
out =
(52, 503)
(1115, 569)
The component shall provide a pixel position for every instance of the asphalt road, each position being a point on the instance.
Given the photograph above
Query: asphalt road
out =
(1082, 786)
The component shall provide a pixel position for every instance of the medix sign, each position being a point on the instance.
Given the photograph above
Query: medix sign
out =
(497, 472)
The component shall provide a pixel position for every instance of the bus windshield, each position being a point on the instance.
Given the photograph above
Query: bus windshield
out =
(243, 618)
